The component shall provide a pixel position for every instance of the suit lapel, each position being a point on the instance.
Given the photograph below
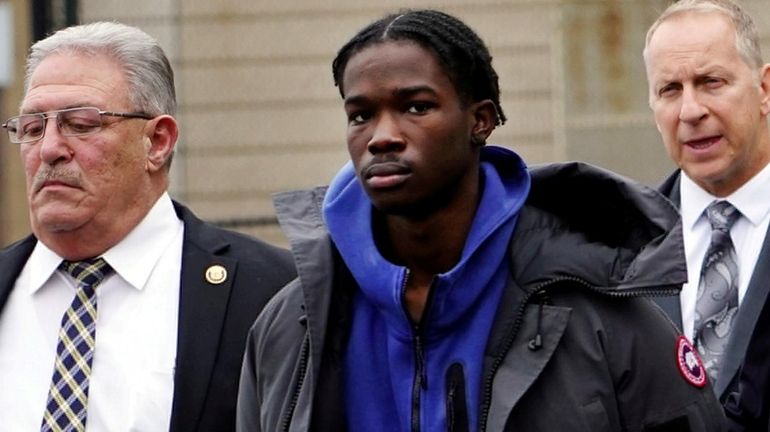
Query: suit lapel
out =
(12, 260)
(670, 188)
(204, 296)
(749, 310)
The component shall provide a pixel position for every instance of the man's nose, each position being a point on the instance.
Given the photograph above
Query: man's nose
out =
(53, 146)
(386, 135)
(692, 110)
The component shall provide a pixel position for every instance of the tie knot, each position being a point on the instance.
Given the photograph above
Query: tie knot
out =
(722, 215)
(88, 272)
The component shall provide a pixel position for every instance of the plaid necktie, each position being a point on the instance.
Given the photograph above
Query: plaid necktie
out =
(68, 395)
(717, 301)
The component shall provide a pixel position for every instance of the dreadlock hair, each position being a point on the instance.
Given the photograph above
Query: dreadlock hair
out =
(463, 55)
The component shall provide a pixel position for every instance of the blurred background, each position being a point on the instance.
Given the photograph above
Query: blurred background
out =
(259, 112)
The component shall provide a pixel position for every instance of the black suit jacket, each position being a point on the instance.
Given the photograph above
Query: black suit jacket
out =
(748, 314)
(214, 319)
(748, 409)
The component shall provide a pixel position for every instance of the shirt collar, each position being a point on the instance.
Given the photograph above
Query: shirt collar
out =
(133, 258)
(695, 199)
(43, 263)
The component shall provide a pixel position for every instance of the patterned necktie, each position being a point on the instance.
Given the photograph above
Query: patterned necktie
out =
(68, 395)
(717, 301)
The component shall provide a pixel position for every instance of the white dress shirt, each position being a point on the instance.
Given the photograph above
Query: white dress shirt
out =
(748, 234)
(132, 376)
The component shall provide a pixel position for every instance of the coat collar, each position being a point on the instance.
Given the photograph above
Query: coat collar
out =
(299, 214)
(670, 304)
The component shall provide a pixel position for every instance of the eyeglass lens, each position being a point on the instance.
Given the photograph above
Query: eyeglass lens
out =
(74, 122)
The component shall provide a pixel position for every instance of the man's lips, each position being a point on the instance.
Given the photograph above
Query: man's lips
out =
(385, 174)
(43, 182)
(54, 186)
(55, 183)
(701, 143)
(384, 169)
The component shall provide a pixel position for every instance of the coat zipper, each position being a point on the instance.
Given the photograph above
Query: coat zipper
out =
(514, 329)
(298, 388)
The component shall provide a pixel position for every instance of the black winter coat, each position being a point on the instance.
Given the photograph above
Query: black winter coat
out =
(575, 345)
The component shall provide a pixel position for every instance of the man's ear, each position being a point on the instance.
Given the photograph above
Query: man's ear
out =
(764, 89)
(162, 133)
(485, 119)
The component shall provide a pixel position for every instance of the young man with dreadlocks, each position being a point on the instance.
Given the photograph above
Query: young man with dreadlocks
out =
(443, 285)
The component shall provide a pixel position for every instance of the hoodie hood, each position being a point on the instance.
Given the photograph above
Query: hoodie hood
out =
(385, 349)
(614, 233)
(348, 214)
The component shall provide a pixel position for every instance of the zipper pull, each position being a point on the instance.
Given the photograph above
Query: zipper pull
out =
(537, 342)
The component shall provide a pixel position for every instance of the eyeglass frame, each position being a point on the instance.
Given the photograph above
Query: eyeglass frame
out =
(55, 114)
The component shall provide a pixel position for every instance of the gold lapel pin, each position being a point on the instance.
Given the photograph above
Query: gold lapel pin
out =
(216, 274)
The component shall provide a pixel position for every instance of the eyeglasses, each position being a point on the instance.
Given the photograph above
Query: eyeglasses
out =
(72, 122)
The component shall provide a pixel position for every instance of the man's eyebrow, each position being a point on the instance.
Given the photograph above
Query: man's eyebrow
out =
(411, 91)
(401, 92)
(355, 100)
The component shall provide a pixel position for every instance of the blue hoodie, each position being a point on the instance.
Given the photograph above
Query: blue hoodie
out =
(393, 368)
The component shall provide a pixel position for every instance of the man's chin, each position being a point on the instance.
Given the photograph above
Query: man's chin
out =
(406, 209)
(53, 221)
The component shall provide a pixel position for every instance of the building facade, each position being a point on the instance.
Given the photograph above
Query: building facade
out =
(259, 112)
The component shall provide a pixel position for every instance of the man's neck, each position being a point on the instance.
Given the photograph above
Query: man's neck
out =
(98, 235)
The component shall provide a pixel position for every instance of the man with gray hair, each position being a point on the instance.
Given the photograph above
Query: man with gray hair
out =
(710, 94)
(122, 310)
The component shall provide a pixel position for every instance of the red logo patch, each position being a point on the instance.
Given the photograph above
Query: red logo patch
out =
(690, 365)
